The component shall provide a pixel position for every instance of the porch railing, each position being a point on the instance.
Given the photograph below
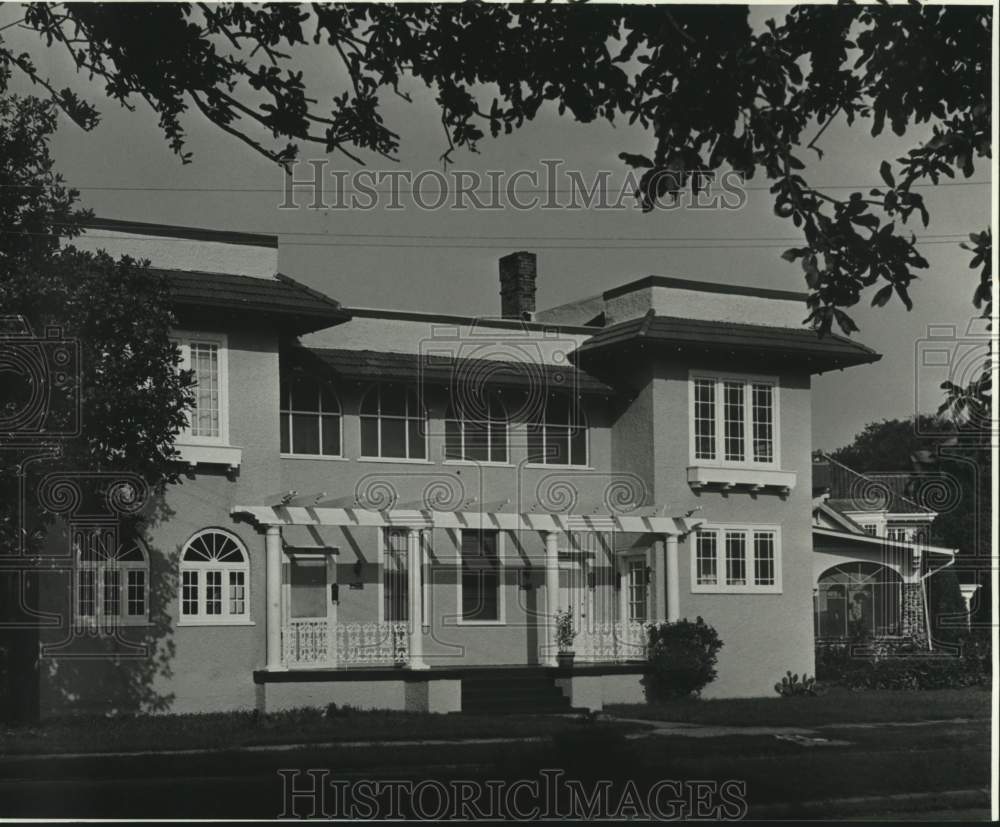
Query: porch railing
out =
(612, 642)
(318, 643)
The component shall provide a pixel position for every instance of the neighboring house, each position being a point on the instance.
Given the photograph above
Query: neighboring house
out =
(384, 508)
(872, 554)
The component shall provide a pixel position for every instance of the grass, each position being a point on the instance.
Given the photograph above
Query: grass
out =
(839, 706)
(134, 733)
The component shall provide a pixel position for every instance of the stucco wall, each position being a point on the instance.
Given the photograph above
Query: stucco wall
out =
(184, 668)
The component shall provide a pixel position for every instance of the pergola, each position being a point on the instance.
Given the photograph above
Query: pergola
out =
(315, 510)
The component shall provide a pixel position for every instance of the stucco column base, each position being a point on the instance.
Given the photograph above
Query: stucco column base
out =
(583, 691)
(439, 696)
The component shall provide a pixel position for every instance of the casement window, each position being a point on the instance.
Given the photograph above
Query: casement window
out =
(112, 585)
(637, 589)
(393, 424)
(310, 418)
(737, 559)
(560, 436)
(734, 420)
(480, 594)
(215, 580)
(870, 528)
(477, 435)
(395, 575)
(206, 356)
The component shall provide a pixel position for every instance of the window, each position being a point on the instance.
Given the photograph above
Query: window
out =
(736, 558)
(743, 411)
(480, 583)
(205, 355)
(477, 435)
(112, 587)
(560, 437)
(310, 418)
(870, 528)
(215, 579)
(393, 425)
(897, 535)
(395, 577)
(637, 589)
(857, 600)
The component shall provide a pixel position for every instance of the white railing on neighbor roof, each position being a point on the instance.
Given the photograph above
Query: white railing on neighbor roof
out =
(307, 642)
(611, 642)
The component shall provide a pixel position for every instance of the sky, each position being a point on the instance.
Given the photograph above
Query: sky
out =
(446, 260)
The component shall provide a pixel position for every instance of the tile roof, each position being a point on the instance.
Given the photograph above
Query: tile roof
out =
(791, 345)
(291, 305)
(434, 369)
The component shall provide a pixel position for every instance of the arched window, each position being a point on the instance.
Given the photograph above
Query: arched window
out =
(858, 600)
(477, 435)
(310, 418)
(393, 425)
(215, 579)
(112, 585)
(560, 436)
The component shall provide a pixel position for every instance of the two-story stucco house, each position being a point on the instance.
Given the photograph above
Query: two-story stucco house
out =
(385, 508)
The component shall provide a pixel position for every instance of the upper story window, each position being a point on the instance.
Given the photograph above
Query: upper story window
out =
(112, 585)
(477, 435)
(310, 418)
(736, 559)
(734, 420)
(560, 438)
(897, 534)
(215, 579)
(206, 356)
(393, 424)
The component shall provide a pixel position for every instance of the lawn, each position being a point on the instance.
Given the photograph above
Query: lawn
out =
(836, 707)
(132, 733)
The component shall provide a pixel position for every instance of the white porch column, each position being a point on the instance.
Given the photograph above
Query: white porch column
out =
(673, 580)
(551, 595)
(273, 551)
(415, 628)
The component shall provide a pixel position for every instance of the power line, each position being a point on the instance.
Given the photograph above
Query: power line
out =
(409, 191)
(475, 244)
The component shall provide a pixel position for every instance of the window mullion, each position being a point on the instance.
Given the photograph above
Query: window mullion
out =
(719, 403)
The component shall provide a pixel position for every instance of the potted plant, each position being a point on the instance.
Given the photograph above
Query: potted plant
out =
(565, 634)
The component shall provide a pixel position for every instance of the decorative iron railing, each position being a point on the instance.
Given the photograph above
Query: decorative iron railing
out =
(319, 643)
(612, 642)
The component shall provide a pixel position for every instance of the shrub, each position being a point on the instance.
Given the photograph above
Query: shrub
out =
(790, 686)
(682, 658)
(904, 664)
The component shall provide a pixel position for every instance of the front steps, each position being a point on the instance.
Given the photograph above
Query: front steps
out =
(513, 691)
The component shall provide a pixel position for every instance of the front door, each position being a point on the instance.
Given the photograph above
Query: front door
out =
(312, 611)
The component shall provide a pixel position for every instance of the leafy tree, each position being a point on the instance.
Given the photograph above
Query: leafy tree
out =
(121, 405)
(919, 70)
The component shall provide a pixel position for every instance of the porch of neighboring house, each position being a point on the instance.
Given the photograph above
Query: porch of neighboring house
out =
(613, 593)
(872, 588)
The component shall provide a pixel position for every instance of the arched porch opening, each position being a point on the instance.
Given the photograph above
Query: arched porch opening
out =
(858, 600)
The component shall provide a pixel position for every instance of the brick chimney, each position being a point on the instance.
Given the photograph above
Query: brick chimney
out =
(517, 285)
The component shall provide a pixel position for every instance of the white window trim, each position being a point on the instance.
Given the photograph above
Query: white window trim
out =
(424, 540)
(99, 619)
(183, 339)
(720, 587)
(501, 586)
(378, 416)
(224, 619)
(282, 409)
(747, 380)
